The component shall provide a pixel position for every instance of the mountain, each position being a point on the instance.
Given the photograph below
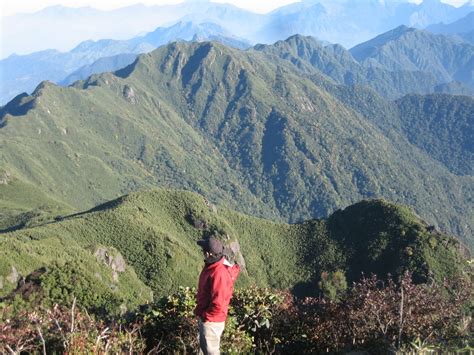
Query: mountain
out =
(463, 28)
(24, 205)
(345, 22)
(243, 128)
(147, 241)
(24, 73)
(442, 125)
(429, 12)
(338, 63)
(64, 28)
(410, 49)
(352, 22)
(102, 65)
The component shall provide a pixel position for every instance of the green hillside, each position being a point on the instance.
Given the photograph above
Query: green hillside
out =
(403, 48)
(22, 204)
(156, 231)
(336, 62)
(442, 125)
(245, 129)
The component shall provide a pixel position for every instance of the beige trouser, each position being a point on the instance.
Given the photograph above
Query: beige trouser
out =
(210, 337)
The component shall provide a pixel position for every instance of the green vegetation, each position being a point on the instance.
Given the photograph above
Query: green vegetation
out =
(410, 49)
(23, 205)
(442, 126)
(243, 128)
(337, 63)
(373, 316)
(149, 238)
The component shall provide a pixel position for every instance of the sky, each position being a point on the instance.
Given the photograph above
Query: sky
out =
(10, 7)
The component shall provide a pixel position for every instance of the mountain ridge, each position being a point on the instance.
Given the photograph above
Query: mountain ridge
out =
(406, 48)
(22, 73)
(151, 235)
(200, 116)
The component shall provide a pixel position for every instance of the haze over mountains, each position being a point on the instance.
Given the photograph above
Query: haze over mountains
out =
(463, 28)
(342, 21)
(24, 73)
(393, 64)
(211, 21)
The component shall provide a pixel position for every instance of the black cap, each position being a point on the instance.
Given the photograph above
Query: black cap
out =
(212, 245)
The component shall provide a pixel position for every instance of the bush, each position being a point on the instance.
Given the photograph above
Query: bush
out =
(171, 326)
(377, 316)
(373, 316)
(333, 285)
(64, 330)
(256, 310)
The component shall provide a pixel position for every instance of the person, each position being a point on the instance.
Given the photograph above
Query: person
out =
(215, 288)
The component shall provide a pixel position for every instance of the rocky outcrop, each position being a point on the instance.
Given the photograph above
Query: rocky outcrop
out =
(129, 94)
(112, 259)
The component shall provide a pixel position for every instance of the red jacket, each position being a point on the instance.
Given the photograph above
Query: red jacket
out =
(216, 284)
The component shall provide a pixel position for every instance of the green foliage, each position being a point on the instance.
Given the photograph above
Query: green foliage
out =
(273, 141)
(441, 125)
(373, 316)
(24, 205)
(401, 49)
(255, 310)
(333, 285)
(377, 235)
(147, 239)
(337, 63)
(170, 324)
(62, 284)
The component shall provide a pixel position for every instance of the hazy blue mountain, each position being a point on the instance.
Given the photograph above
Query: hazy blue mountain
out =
(346, 22)
(463, 28)
(428, 12)
(410, 49)
(23, 73)
(63, 28)
(337, 62)
(101, 65)
(352, 22)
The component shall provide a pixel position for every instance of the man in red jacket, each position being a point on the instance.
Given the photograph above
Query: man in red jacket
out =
(216, 284)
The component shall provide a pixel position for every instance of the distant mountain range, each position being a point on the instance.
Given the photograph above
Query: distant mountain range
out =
(345, 22)
(23, 73)
(416, 50)
(462, 28)
(251, 129)
(404, 66)
(339, 64)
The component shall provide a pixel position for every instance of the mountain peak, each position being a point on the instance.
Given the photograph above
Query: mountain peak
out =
(366, 49)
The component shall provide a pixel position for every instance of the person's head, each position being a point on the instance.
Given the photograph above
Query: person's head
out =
(212, 248)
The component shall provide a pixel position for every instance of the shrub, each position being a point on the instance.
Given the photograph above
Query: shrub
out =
(373, 316)
(171, 326)
(255, 310)
(333, 285)
(376, 315)
(64, 330)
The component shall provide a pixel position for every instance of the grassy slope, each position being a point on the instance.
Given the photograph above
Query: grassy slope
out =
(152, 231)
(22, 204)
(256, 135)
